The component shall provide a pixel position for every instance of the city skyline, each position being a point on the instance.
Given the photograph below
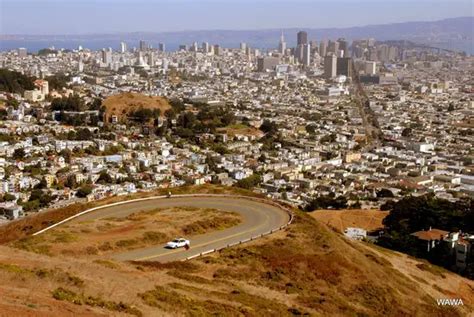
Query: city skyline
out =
(53, 17)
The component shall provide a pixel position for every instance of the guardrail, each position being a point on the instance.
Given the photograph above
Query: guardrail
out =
(290, 214)
(269, 202)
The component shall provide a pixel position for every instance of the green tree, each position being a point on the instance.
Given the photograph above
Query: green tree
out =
(19, 154)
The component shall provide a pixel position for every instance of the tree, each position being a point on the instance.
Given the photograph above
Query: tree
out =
(269, 127)
(8, 197)
(249, 182)
(70, 103)
(58, 81)
(19, 154)
(385, 193)
(104, 178)
(327, 202)
(311, 128)
(407, 132)
(15, 82)
(84, 191)
(84, 134)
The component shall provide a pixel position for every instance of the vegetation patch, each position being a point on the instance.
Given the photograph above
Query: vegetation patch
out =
(64, 294)
(214, 223)
(172, 301)
(34, 244)
(127, 243)
(107, 263)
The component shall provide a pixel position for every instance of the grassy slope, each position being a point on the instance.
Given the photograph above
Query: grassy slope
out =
(26, 226)
(124, 103)
(306, 269)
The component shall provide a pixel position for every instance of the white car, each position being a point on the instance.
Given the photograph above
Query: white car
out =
(177, 243)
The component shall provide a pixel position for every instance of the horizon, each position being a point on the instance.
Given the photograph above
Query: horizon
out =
(55, 17)
(238, 30)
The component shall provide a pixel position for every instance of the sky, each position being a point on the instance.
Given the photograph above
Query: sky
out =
(116, 16)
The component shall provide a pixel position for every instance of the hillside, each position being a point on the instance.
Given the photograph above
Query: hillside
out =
(341, 219)
(307, 268)
(125, 104)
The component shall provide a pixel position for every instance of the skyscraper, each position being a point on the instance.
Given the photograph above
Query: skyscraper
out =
(123, 47)
(107, 56)
(143, 46)
(306, 54)
(302, 38)
(333, 47)
(330, 66)
(344, 66)
(205, 47)
(343, 46)
(323, 48)
(267, 63)
(282, 44)
(243, 46)
(161, 47)
(22, 52)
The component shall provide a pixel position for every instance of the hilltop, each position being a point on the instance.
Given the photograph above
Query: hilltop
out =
(125, 104)
(305, 269)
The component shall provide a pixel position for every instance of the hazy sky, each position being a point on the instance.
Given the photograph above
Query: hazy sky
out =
(108, 16)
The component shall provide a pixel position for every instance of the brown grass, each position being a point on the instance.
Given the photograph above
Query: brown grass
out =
(28, 225)
(122, 104)
(341, 219)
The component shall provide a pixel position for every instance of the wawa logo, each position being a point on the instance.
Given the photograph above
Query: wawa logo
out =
(449, 302)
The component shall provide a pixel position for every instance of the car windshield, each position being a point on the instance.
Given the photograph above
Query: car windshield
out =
(176, 240)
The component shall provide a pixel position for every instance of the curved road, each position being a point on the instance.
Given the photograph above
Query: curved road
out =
(257, 218)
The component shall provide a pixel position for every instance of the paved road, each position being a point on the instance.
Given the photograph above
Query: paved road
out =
(257, 218)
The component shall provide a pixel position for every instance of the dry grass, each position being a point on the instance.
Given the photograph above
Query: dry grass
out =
(63, 294)
(26, 226)
(137, 230)
(341, 219)
(306, 269)
(122, 104)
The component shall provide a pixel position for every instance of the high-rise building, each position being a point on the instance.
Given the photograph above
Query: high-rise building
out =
(143, 45)
(333, 47)
(282, 44)
(80, 66)
(243, 46)
(22, 52)
(107, 56)
(123, 47)
(183, 47)
(343, 46)
(205, 47)
(344, 66)
(265, 63)
(306, 54)
(370, 68)
(323, 48)
(151, 59)
(217, 50)
(299, 52)
(161, 47)
(302, 38)
(330, 66)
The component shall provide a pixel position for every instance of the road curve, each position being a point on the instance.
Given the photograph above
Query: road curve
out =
(258, 218)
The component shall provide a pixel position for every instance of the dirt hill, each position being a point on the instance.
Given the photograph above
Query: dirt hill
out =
(123, 104)
(306, 269)
(358, 218)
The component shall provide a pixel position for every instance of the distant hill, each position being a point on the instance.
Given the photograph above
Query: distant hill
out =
(125, 104)
(455, 33)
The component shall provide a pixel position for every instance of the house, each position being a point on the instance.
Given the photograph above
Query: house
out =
(355, 233)
(432, 237)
